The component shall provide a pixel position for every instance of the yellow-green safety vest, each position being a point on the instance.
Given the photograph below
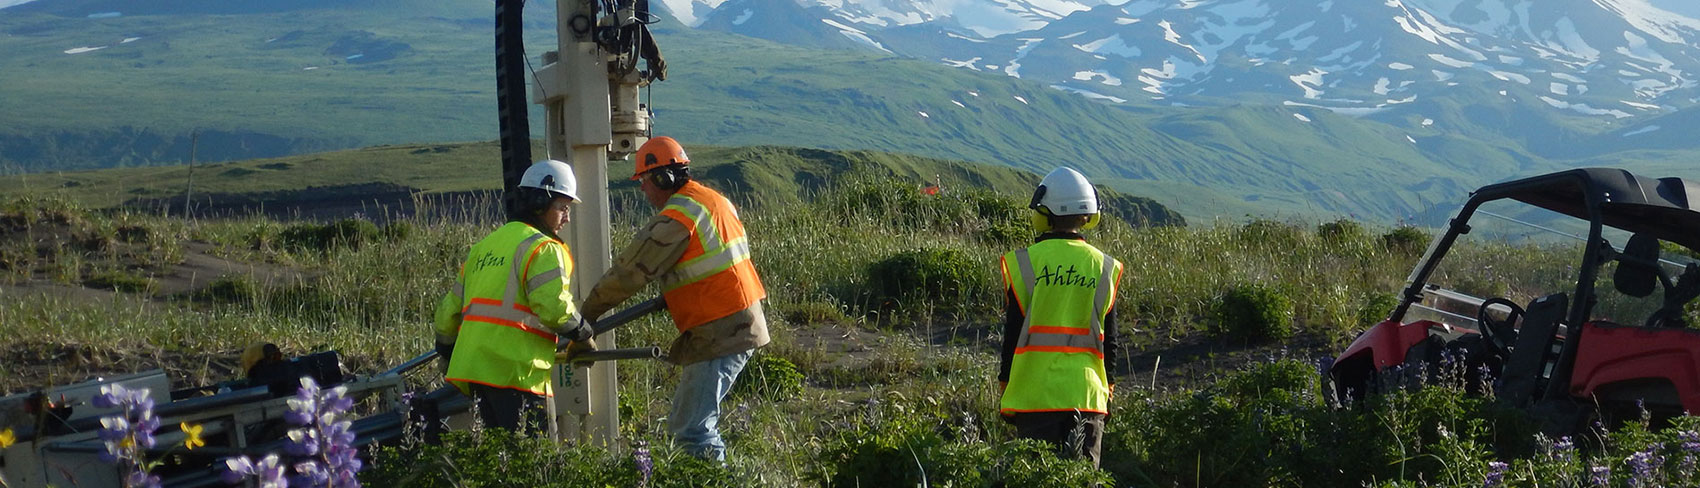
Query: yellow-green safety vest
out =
(1065, 288)
(508, 304)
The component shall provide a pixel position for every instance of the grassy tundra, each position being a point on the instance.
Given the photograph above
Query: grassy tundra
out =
(885, 304)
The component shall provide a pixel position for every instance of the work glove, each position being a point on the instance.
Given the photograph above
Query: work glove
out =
(575, 348)
(580, 332)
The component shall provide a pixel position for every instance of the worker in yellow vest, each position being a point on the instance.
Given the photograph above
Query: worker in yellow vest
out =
(1059, 327)
(498, 327)
(696, 249)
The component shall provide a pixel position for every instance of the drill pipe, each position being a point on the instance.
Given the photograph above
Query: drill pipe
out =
(651, 352)
(620, 318)
(612, 322)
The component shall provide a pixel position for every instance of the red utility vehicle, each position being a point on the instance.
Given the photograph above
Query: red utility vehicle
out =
(1604, 331)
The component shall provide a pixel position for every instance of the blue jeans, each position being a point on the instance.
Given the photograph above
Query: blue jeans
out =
(696, 404)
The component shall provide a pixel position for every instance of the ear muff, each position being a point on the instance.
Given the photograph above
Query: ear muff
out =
(670, 178)
(1093, 220)
(1040, 222)
(1038, 194)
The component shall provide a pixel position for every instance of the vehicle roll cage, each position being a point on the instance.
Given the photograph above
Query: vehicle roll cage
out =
(1663, 208)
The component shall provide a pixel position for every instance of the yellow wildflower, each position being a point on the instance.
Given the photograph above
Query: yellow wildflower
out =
(192, 435)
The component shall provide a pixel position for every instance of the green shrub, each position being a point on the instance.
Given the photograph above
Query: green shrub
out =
(1003, 234)
(124, 281)
(1341, 231)
(1255, 313)
(811, 312)
(346, 233)
(350, 233)
(1267, 425)
(228, 289)
(770, 378)
(1270, 233)
(1405, 239)
(905, 451)
(397, 230)
(941, 276)
(995, 207)
(499, 458)
(135, 234)
(1375, 308)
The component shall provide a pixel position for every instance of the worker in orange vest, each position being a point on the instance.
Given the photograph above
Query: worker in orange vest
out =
(695, 247)
(1059, 326)
(498, 326)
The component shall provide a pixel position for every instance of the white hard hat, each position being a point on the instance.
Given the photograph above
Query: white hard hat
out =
(552, 176)
(1065, 192)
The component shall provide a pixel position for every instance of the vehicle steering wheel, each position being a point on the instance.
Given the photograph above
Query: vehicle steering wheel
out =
(1500, 333)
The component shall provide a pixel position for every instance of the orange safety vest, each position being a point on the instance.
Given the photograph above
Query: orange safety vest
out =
(714, 278)
(1064, 288)
(501, 341)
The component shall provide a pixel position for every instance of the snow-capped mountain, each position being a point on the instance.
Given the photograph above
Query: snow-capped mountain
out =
(981, 17)
(1600, 59)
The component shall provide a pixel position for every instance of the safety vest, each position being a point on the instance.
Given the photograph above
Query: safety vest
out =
(502, 341)
(714, 278)
(1064, 288)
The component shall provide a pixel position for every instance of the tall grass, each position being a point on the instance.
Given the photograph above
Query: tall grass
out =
(915, 400)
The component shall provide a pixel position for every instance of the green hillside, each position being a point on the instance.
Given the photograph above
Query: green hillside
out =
(395, 177)
(263, 81)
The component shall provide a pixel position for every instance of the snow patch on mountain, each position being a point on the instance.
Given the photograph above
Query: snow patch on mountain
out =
(1640, 131)
(1311, 82)
(1109, 79)
(855, 34)
(1583, 108)
(1014, 67)
(970, 63)
(1110, 45)
(1089, 94)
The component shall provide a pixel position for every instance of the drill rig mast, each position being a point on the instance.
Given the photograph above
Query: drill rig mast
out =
(589, 88)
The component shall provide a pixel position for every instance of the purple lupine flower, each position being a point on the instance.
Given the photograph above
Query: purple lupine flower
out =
(128, 433)
(321, 445)
(1644, 466)
(1495, 475)
(1690, 448)
(268, 471)
(1562, 450)
(645, 464)
(1601, 475)
(325, 438)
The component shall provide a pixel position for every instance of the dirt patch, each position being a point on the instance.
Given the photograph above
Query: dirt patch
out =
(200, 268)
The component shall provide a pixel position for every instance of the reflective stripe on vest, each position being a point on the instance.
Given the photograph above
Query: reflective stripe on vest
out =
(1058, 365)
(503, 341)
(509, 312)
(717, 255)
(1052, 338)
(714, 277)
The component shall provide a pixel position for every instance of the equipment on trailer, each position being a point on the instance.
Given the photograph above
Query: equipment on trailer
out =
(1601, 334)
(56, 430)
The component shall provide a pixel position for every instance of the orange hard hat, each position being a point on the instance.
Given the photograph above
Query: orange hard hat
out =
(659, 152)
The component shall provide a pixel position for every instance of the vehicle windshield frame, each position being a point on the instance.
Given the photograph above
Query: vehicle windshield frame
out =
(1602, 197)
